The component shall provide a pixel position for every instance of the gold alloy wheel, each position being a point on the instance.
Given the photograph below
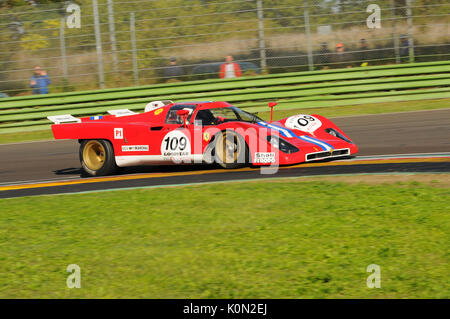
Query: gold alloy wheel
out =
(94, 155)
(227, 148)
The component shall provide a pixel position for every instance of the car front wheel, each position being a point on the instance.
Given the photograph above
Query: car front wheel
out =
(231, 151)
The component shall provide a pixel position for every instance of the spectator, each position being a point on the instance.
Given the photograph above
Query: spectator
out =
(39, 81)
(324, 55)
(173, 71)
(404, 47)
(230, 69)
(340, 56)
(362, 56)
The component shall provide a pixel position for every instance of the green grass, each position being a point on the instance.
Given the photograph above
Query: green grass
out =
(334, 111)
(26, 136)
(290, 239)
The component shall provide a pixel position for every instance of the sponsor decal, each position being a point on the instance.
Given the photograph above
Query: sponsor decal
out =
(158, 111)
(175, 144)
(302, 122)
(135, 148)
(206, 136)
(118, 133)
(95, 118)
(261, 157)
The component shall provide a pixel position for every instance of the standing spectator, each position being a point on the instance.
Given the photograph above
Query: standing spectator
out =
(39, 81)
(404, 48)
(230, 69)
(363, 48)
(173, 71)
(340, 56)
(324, 55)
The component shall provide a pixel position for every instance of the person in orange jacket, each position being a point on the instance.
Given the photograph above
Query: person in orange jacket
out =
(230, 69)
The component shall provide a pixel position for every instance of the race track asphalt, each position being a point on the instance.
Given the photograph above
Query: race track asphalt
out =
(395, 133)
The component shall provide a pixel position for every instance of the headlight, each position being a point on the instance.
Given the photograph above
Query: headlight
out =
(335, 133)
(281, 144)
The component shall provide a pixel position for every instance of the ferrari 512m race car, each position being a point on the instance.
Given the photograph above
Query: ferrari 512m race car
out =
(199, 132)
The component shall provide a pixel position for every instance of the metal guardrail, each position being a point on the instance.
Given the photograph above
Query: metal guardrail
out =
(296, 90)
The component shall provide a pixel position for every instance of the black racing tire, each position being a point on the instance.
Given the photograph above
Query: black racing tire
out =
(230, 150)
(97, 157)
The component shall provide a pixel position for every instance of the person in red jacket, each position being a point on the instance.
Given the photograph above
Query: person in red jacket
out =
(230, 69)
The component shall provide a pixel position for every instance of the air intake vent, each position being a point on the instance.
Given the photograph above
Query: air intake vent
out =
(323, 155)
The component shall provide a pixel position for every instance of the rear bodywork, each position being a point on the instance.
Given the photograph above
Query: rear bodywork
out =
(152, 138)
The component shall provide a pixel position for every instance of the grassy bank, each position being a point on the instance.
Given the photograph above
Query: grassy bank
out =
(289, 239)
(375, 108)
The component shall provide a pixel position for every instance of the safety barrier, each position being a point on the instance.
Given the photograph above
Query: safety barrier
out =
(297, 90)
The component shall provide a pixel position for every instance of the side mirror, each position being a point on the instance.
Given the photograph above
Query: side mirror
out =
(271, 105)
(184, 115)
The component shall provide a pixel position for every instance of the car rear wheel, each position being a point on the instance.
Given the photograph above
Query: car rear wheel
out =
(230, 150)
(97, 157)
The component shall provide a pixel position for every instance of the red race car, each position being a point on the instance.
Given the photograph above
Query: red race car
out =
(199, 132)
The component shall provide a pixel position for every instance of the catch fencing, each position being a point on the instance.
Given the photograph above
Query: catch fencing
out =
(92, 44)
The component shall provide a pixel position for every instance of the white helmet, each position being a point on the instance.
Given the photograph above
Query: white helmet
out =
(155, 105)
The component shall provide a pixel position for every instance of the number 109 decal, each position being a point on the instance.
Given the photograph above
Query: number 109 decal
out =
(175, 144)
(306, 123)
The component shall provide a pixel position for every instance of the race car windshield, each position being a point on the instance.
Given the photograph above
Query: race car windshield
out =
(246, 117)
(224, 114)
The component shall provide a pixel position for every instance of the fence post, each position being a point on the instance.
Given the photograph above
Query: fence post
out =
(133, 49)
(112, 35)
(62, 44)
(98, 41)
(394, 33)
(262, 44)
(410, 31)
(308, 37)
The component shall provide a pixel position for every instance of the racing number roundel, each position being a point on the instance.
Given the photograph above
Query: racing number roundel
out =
(306, 123)
(175, 144)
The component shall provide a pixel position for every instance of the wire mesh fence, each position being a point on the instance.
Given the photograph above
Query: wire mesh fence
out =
(91, 44)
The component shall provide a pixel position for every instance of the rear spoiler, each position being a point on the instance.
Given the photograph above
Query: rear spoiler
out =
(122, 112)
(67, 118)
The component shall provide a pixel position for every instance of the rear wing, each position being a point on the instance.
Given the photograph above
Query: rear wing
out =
(66, 118)
(122, 112)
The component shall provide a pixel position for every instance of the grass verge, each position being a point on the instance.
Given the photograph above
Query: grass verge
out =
(286, 239)
(335, 111)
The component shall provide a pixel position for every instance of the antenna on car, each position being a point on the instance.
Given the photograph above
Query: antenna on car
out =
(271, 105)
